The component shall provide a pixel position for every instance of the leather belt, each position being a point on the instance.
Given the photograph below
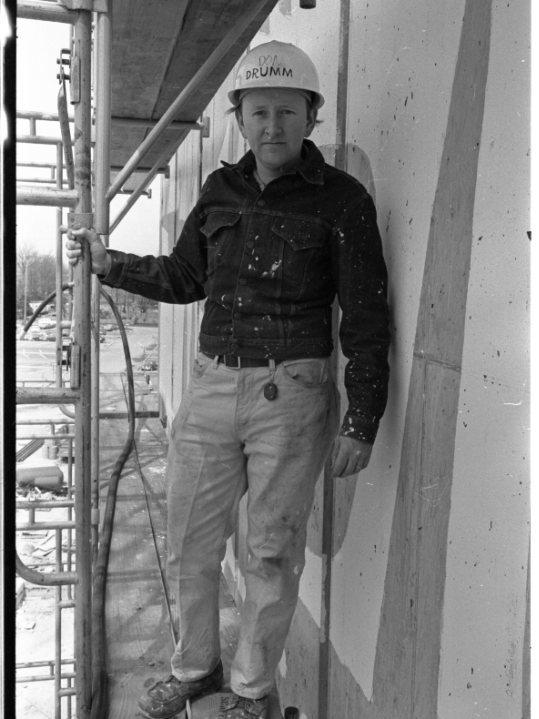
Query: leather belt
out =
(230, 360)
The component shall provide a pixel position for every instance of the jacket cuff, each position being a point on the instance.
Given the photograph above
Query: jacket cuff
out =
(117, 264)
(359, 427)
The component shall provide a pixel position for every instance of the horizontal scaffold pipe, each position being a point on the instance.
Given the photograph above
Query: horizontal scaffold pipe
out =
(44, 503)
(52, 422)
(48, 165)
(44, 10)
(37, 181)
(164, 170)
(48, 579)
(31, 526)
(50, 196)
(66, 692)
(139, 122)
(141, 413)
(39, 140)
(47, 395)
(36, 115)
(116, 120)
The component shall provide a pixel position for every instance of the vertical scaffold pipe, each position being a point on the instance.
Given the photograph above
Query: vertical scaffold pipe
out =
(59, 268)
(102, 182)
(81, 100)
(101, 225)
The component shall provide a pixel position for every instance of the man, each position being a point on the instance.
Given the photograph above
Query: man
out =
(270, 243)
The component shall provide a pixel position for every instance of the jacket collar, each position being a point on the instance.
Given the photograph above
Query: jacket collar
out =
(310, 167)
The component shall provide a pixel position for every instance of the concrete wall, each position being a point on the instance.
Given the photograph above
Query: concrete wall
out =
(413, 600)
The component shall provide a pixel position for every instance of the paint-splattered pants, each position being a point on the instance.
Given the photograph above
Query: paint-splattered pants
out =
(228, 438)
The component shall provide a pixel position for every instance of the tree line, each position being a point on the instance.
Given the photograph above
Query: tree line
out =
(36, 279)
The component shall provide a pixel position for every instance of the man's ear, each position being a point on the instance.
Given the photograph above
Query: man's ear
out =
(239, 120)
(312, 114)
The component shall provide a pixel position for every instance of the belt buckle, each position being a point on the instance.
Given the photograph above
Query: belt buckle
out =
(231, 360)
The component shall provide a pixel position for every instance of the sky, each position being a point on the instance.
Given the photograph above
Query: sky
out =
(38, 46)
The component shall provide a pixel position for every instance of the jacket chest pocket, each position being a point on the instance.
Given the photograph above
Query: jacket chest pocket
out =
(304, 252)
(219, 230)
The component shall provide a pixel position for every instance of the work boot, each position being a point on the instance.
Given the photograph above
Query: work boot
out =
(236, 707)
(165, 699)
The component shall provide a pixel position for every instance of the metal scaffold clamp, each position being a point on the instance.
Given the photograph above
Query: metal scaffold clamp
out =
(78, 220)
(63, 60)
(82, 219)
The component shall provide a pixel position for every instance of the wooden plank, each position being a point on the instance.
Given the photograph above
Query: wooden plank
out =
(143, 38)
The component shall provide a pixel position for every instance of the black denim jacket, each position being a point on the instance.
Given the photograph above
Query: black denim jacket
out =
(270, 264)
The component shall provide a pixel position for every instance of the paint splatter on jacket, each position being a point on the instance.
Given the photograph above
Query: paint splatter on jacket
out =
(269, 264)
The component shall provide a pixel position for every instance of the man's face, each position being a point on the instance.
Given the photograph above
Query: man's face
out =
(274, 123)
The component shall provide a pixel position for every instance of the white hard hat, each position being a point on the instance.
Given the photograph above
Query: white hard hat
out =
(276, 64)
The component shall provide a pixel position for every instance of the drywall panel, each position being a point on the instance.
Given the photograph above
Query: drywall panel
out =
(401, 67)
(485, 596)
(409, 107)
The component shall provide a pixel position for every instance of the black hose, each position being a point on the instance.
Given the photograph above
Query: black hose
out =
(35, 315)
(42, 305)
(99, 708)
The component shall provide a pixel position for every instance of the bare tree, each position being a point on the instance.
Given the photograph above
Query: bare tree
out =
(36, 275)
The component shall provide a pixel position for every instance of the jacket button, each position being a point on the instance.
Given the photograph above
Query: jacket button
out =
(249, 244)
(260, 203)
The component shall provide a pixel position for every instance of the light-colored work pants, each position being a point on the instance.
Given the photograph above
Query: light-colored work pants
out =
(228, 438)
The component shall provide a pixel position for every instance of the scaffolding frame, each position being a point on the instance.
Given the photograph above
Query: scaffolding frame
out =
(79, 201)
(83, 393)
